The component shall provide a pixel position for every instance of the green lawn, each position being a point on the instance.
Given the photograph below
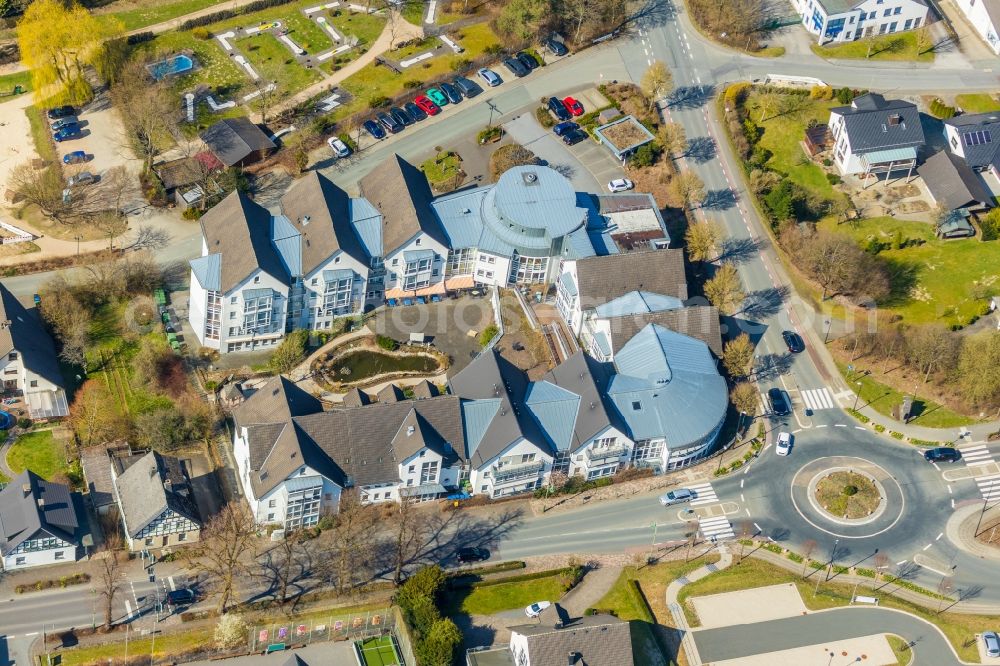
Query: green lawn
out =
(41, 135)
(40, 452)
(900, 46)
(884, 398)
(977, 102)
(489, 599)
(443, 170)
(8, 81)
(274, 62)
(150, 12)
(307, 34)
(959, 628)
(213, 67)
(900, 648)
(414, 13)
(378, 651)
(366, 27)
(653, 581)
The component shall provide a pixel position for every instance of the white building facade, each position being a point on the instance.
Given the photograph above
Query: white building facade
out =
(833, 21)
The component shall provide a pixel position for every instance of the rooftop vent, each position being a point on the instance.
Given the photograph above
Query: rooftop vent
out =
(305, 220)
(466, 211)
(529, 177)
(26, 488)
(409, 430)
(41, 502)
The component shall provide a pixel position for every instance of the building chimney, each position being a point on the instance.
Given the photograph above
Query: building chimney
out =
(409, 430)
(41, 502)
(571, 658)
(26, 488)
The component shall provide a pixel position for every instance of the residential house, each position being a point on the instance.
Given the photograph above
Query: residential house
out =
(607, 329)
(984, 16)
(28, 363)
(975, 138)
(38, 523)
(555, 640)
(876, 136)
(953, 185)
(237, 142)
(851, 20)
(156, 501)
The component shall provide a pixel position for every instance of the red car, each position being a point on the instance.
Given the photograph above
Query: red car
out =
(427, 105)
(573, 106)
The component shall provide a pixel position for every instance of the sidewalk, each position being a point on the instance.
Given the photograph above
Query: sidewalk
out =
(674, 590)
(595, 584)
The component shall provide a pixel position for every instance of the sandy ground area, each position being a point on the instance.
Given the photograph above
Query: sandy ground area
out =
(748, 606)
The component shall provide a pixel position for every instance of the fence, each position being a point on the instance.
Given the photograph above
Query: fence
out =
(334, 628)
(20, 235)
(532, 320)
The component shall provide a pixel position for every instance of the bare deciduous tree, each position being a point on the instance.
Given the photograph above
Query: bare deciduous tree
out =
(108, 561)
(701, 240)
(408, 536)
(350, 539)
(808, 548)
(150, 238)
(737, 355)
(226, 551)
(657, 82)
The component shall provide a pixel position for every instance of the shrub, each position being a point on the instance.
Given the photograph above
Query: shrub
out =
(850, 490)
(488, 134)
(989, 224)
(941, 110)
(833, 178)
(487, 334)
(736, 94)
(201, 32)
(795, 557)
(773, 547)
(544, 118)
(378, 101)
(290, 352)
(867, 573)
(460, 64)
(858, 415)
(646, 155)
(231, 631)
(386, 343)
(191, 213)
(897, 435)
(413, 84)
(24, 423)
(493, 49)
(879, 427)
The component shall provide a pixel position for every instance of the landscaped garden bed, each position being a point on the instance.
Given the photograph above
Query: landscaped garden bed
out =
(847, 494)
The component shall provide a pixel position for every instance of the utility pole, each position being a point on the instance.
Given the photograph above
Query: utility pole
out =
(493, 109)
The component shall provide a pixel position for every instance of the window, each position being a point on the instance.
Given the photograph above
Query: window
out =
(60, 554)
(257, 314)
(12, 356)
(897, 11)
(954, 142)
(182, 536)
(429, 472)
(871, 15)
(314, 282)
(395, 262)
(376, 496)
(484, 488)
(256, 279)
(411, 469)
(909, 22)
(887, 12)
(491, 260)
(528, 270)
(149, 542)
(20, 560)
(916, 22)
(636, 406)
(272, 503)
(337, 297)
(34, 383)
(232, 300)
(416, 242)
(232, 314)
(882, 28)
(270, 517)
(892, 26)
(460, 261)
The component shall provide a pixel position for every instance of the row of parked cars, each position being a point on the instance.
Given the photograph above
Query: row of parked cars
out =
(64, 123)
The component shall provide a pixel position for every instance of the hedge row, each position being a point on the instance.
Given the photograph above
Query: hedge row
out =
(65, 581)
(568, 571)
(224, 14)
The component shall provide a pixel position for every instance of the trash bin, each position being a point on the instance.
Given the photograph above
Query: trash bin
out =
(18, 90)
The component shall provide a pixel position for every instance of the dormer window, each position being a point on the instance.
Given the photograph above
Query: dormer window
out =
(256, 279)
(895, 119)
(416, 242)
(636, 406)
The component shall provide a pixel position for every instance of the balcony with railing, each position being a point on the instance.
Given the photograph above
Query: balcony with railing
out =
(605, 453)
(509, 473)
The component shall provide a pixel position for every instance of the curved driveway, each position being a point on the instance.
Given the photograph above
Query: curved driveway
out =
(930, 648)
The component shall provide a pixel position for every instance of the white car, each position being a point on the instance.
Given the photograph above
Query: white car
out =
(338, 147)
(535, 609)
(784, 444)
(620, 185)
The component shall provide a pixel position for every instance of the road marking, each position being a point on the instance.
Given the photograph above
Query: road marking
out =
(949, 490)
(170, 581)
(128, 609)
(939, 536)
(953, 502)
(927, 546)
(742, 499)
(976, 454)
(758, 527)
(900, 563)
(989, 486)
(719, 527)
(860, 428)
(795, 432)
(704, 494)
(839, 425)
(821, 426)
(936, 466)
(34, 633)
(649, 62)
(742, 481)
(817, 399)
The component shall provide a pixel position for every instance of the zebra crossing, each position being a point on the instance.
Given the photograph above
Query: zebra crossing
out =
(703, 494)
(989, 486)
(717, 528)
(976, 454)
(817, 399)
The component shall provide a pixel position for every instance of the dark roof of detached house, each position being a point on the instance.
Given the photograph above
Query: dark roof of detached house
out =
(367, 444)
(239, 230)
(234, 139)
(30, 505)
(151, 484)
(595, 640)
(21, 330)
(276, 449)
(874, 123)
(697, 321)
(601, 279)
(979, 150)
(401, 193)
(320, 212)
(952, 182)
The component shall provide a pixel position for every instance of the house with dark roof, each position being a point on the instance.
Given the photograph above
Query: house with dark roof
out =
(953, 185)
(556, 640)
(975, 138)
(876, 136)
(836, 21)
(237, 142)
(28, 362)
(156, 501)
(984, 17)
(38, 523)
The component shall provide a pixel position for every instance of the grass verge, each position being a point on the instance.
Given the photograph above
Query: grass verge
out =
(901, 649)
(489, 599)
(977, 102)
(8, 81)
(40, 452)
(653, 581)
(444, 170)
(900, 46)
(150, 13)
(40, 134)
(884, 398)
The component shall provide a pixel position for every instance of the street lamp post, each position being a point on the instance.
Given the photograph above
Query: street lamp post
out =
(826, 335)
(857, 396)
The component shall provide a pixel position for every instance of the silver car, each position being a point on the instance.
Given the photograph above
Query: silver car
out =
(677, 496)
(992, 643)
(82, 178)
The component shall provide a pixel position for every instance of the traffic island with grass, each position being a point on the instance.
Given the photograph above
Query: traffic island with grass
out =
(848, 495)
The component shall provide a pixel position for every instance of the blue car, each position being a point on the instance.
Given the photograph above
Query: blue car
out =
(562, 128)
(67, 133)
(374, 129)
(76, 157)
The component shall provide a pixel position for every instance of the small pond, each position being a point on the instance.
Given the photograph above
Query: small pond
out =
(366, 363)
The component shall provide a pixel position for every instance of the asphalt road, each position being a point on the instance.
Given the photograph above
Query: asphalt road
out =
(930, 648)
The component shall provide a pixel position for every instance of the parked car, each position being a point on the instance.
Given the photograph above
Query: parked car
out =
(780, 402)
(557, 109)
(556, 47)
(783, 445)
(620, 185)
(425, 103)
(535, 609)
(63, 122)
(793, 341)
(562, 128)
(415, 111)
(573, 137)
(527, 60)
(82, 178)
(992, 643)
(76, 157)
(472, 554)
(491, 78)
(678, 496)
(454, 96)
(67, 133)
(516, 67)
(942, 454)
(60, 112)
(401, 116)
(338, 147)
(437, 97)
(390, 123)
(374, 129)
(573, 106)
(468, 87)
(182, 597)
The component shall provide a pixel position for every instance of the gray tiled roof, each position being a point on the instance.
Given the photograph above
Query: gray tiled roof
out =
(28, 336)
(240, 230)
(320, 212)
(601, 279)
(21, 517)
(597, 640)
(873, 123)
(356, 398)
(151, 484)
(697, 321)
(233, 139)
(587, 379)
(390, 393)
(424, 389)
(979, 155)
(952, 183)
(400, 192)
